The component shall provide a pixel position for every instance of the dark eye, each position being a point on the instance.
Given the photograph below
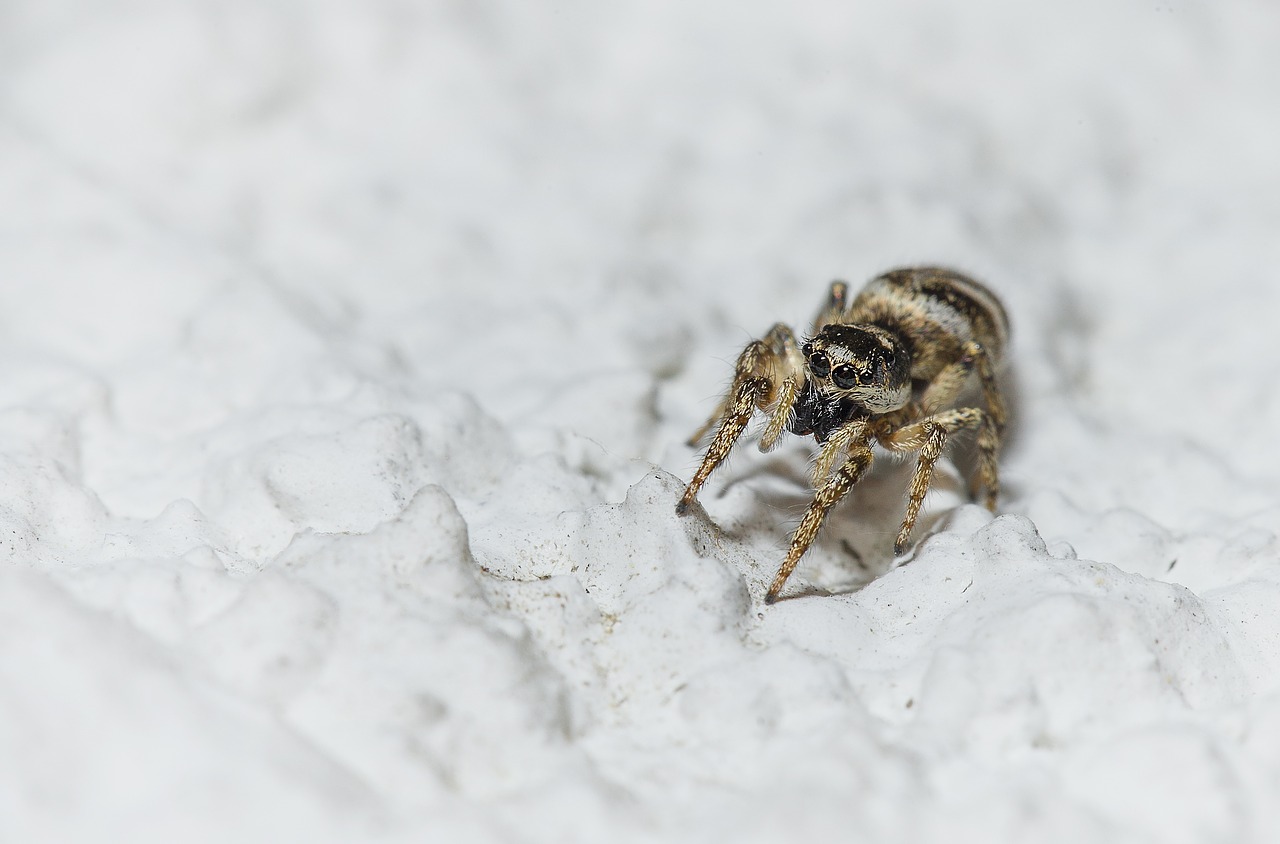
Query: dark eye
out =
(845, 376)
(889, 359)
(819, 365)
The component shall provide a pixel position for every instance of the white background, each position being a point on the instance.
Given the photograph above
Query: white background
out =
(347, 350)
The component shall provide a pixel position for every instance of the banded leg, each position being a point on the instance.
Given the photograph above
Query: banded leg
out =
(929, 437)
(989, 435)
(950, 382)
(835, 307)
(762, 367)
(715, 417)
(840, 443)
(836, 487)
(988, 475)
(788, 376)
(991, 391)
(946, 387)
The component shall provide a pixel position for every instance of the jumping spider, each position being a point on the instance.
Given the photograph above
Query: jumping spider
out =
(883, 368)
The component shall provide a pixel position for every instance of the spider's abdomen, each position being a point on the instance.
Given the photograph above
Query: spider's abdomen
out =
(935, 312)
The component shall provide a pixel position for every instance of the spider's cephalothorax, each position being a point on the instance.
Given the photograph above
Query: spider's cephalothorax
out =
(885, 368)
(852, 370)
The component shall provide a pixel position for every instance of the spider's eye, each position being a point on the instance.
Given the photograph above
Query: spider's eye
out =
(819, 365)
(845, 376)
(889, 359)
(806, 349)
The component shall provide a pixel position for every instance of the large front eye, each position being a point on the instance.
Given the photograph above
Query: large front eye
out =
(845, 376)
(819, 365)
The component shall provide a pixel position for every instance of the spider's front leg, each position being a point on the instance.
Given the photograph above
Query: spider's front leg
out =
(855, 437)
(768, 376)
(929, 437)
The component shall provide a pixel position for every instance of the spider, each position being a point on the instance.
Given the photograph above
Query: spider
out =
(884, 368)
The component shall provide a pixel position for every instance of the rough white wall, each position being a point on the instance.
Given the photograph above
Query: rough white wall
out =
(346, 354)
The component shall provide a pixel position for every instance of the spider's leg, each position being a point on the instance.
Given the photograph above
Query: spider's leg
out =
(991, 390)
(948, 384)
(929, 437)
(989, 435)
(835, 306)
(988, 475)
(788, 366)
(693, 441)
(944, 390)
(842, 439)
(762, 367)
(781, 413)
(835, 488)
(739, 404)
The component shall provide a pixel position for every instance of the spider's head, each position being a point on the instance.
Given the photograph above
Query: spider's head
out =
(864, 365)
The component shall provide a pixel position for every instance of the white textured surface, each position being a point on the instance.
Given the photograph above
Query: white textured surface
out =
(346, 350)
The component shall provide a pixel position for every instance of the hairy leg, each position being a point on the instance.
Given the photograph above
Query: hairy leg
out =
(944, 390)
(929, 437)
(989, 435)
(991, 392)
(716, 416)
(840, 443)
(987, 478)
(788, 375)
(836, 487)
(763, 367)
(950, 382)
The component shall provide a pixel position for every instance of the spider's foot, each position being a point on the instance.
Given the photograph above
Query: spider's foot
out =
(982, 494)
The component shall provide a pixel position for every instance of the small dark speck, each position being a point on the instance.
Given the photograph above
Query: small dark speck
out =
(1172, 563)
(911, 702)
